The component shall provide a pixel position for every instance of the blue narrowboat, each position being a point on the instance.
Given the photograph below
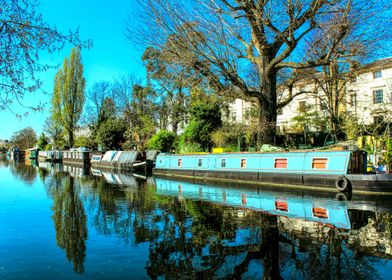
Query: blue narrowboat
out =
(344, 171)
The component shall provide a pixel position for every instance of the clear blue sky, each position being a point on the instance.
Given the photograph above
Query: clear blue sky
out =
(111, 56)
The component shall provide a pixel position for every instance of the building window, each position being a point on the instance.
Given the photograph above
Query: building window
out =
(243, 163)
(319, 163)
(353, 100)
(377, 74)
(247, 115)
(223, 162)
(233, 116)
(378, 120)
(302, 105)
(179, 162)
(280, 163)
(378, 96)
(200, 162)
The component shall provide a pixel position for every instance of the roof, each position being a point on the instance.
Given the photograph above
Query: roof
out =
(378, 64)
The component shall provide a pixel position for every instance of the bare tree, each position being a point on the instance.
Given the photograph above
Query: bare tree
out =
(225, 39)
(23, 36)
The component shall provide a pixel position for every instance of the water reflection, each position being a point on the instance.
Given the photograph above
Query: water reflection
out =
(26, 172)
(204, 231)
(70, 220)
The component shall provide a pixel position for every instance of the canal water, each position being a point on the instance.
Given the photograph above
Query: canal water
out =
(62, 222)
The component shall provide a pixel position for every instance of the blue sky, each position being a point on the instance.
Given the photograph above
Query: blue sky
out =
(111, 56)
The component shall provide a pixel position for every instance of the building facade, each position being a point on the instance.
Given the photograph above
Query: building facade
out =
(367, 97)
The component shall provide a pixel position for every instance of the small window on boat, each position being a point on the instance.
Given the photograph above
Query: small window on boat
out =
(200, 162)
(281, 206)
(280, 163)
(179, 162)
(223, 162)
(319, 163)
(319, 212)
(243, 163)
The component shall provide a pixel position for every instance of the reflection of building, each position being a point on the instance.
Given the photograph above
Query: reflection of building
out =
(368, 97)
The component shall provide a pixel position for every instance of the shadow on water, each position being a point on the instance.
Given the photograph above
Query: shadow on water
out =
(207, 231)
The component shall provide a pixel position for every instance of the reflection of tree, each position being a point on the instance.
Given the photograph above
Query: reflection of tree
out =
(321, 252)
(201, 240)
(70, 223)
(26, 173)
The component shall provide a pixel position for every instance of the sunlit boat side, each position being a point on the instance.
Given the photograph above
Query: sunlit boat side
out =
(344, 171)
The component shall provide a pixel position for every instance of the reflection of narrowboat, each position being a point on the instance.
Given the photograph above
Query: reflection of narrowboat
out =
(343, 170)
(330, 212)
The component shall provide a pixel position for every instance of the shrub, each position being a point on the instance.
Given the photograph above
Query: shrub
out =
(163, 140)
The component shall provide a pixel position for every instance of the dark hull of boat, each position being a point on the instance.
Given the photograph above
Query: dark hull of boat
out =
(377, 183)
(128, 167)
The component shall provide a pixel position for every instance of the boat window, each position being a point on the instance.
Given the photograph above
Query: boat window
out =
(243, 163)
(179, 162)
(320, 212)
(200, 162)
(280, 163)
(281, 206)
(223, 162)
(319, 163)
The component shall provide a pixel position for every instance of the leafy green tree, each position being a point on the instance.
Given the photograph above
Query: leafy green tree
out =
(163, 140)
(205, 119)
(42, 142)
(111, 134)
(68, 95)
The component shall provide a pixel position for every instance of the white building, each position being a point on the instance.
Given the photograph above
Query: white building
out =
(368, 97)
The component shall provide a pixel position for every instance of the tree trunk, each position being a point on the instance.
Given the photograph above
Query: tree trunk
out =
(70, 139)
(267, 110)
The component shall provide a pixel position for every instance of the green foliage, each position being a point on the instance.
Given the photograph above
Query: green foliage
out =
(306, 118)
(229, 134)
(42, 142)
(68, 94)
(205, 119)
(388, 154)
(111, 134)
(163, 140)
(83, 141)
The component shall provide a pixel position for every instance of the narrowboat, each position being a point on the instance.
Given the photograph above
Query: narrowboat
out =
(125, 160)
(51, 156)
(77, 156)
(119, 161)
(344, 171)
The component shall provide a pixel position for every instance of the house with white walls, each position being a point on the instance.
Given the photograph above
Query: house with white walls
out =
(368, 97)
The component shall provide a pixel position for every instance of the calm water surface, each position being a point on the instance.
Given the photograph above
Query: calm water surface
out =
(56, 222)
